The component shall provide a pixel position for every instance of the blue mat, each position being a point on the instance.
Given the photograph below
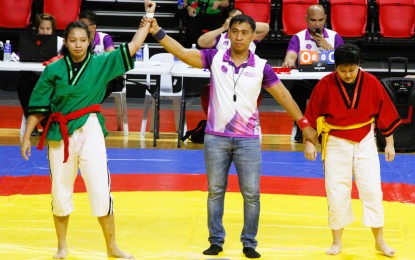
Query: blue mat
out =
(156, 161)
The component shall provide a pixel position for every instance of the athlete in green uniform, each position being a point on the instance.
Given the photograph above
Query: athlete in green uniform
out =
(71, 89)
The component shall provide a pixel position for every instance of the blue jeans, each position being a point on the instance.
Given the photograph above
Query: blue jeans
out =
(219, 152)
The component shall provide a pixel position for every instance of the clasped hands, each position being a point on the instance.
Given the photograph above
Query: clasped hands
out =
(150, 8)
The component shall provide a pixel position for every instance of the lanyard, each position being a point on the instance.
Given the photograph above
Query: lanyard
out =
(235, 82)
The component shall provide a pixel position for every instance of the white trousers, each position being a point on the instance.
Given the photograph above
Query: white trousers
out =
(344, 161)
(87, 154)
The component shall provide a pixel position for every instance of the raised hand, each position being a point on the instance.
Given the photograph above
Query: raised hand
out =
(149, 6)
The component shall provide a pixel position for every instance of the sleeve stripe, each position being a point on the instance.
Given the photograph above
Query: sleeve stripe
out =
(38, 110)
(388, 131)
(127, 59)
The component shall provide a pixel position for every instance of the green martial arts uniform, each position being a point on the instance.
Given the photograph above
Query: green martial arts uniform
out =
(62, 88)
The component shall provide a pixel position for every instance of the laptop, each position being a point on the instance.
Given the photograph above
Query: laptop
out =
(311, 61)
(37, 48)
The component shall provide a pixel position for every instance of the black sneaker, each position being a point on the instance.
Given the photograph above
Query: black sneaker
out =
(213, 250)
(35, 132)
(251, 253)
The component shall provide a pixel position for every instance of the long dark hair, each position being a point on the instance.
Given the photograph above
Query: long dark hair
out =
(69, 28)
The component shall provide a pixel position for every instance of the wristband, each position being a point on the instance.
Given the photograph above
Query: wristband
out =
(149, 15)
(159, 35)
(303, 123)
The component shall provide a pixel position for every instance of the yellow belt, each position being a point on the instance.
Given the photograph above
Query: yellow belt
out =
(324, 128)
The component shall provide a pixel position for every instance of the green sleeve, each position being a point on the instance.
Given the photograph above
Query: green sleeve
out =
(116, 62)
(41, 97)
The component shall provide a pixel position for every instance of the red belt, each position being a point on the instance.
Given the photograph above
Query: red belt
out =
(63, 121)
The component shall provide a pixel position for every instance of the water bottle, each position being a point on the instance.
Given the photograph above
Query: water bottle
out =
(7, 51)
(139, 55)
(194, 46)
(146, 53)
(180, 4)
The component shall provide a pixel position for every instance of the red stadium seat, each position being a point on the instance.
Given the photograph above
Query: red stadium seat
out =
(293, 15)
(259, 10)
(349, 17)
(397, 18)
(15, 14)
(64, 11)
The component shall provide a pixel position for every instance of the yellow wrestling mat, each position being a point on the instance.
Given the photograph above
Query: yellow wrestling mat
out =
(172, 225)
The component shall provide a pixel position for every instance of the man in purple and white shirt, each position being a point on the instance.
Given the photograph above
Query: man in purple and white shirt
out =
(232, 130)
(314, 38)
(219, 39)
(101, 42)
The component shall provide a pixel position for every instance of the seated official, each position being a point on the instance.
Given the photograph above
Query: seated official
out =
(314, 38)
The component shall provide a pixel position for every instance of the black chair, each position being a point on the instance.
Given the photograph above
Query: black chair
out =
(402, 93)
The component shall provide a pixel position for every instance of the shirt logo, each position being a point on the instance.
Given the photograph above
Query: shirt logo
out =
(308, 46)
(249, 74)
(224, 69)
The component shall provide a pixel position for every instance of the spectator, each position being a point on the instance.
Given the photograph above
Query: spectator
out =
(314, 38)
(101, 42)
(203, 15)
(348, 147)
(219, 39)
(232, 130)
(71, 89)
(45, 25)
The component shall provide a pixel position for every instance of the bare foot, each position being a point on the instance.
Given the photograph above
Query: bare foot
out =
(383, 247)
(117, 253)
(60, 254)
(334, 249)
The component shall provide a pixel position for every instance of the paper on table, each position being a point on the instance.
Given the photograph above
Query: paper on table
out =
(149, 63)
(154, 63)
